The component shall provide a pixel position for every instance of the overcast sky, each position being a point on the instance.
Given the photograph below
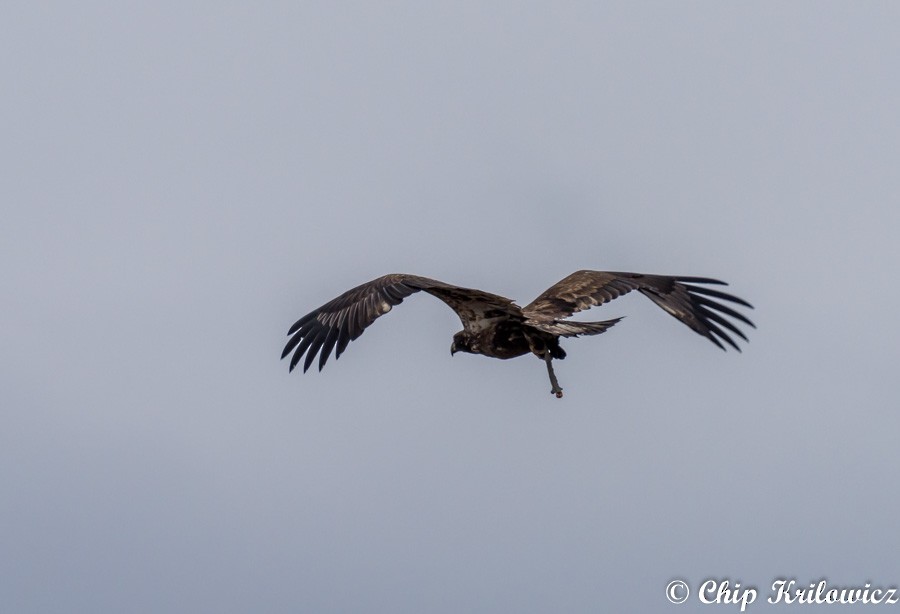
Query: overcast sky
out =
(181, 181)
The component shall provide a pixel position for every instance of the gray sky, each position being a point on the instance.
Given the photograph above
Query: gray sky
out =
(182, 181)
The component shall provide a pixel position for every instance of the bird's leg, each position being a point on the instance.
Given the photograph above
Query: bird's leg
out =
(553, 382)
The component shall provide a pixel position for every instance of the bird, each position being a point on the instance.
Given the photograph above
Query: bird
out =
(497, 327)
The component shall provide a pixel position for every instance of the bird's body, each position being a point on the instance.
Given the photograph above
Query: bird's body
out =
(495, 326)
(508, 339)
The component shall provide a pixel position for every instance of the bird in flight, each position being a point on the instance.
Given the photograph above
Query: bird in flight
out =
(495, 326)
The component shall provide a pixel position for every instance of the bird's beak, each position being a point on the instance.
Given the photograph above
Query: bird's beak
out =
(453, 348)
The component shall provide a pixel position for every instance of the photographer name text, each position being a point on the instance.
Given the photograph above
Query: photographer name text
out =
(783, 591)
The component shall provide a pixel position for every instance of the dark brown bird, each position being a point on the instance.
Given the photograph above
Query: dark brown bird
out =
(495, 326)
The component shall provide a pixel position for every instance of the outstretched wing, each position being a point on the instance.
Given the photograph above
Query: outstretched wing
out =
(692, 304)
(343, 319)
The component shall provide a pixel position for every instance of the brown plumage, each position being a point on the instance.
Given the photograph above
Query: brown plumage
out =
(495, 326)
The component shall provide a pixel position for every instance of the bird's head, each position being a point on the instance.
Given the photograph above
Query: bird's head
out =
(460, 343)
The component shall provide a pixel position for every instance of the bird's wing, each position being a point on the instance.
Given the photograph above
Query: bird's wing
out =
(343, 319)
(692, 304)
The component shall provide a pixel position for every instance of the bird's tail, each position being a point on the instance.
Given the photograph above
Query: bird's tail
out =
(567, 328)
